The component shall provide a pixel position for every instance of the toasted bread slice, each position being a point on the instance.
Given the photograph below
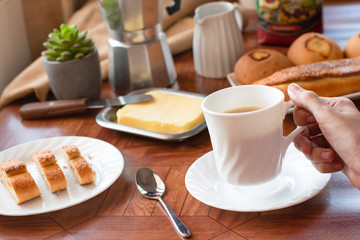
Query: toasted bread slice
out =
(78, 164)
(50, 170)
(70, 151)
(18, 181)
(82, 170)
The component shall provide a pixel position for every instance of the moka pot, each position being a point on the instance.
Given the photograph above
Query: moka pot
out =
(139, 55)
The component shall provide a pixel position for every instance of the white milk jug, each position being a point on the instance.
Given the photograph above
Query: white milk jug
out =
(217, 41)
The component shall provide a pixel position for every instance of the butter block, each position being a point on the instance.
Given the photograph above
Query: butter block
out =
(165, 113)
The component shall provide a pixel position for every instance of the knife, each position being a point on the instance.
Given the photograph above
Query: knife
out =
(63, 107)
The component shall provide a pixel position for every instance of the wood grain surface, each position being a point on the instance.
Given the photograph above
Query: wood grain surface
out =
(121, 212)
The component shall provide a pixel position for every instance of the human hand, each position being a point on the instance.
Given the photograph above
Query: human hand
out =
(332, 137)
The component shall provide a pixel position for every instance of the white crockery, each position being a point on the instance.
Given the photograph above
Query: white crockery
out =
(217, 40)
(106, 161)
(248, 147)
(298, 182)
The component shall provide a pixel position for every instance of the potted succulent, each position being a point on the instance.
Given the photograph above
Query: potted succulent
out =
(72, 64)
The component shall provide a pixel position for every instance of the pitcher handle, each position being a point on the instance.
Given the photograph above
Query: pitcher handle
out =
(238, 16)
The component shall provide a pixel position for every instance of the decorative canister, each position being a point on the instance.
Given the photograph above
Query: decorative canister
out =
(281, 22)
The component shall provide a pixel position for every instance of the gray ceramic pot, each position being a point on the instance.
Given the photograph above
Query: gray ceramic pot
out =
(75, 78)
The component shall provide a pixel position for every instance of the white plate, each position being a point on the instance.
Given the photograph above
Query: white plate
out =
(298, 182)
(106, 161)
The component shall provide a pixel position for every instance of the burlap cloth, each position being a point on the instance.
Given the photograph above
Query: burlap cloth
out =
(178, 27)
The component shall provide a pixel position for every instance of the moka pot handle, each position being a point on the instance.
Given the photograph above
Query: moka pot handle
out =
(175, 6)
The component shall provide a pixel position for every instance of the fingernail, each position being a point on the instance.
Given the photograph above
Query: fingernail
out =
(294, 87)
(326, 156)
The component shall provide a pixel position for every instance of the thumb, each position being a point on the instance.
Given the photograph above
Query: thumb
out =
(308, 100)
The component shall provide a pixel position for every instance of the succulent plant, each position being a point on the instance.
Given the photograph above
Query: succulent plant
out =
(67, 44)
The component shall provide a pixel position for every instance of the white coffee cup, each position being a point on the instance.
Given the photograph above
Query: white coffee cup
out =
(248, 146)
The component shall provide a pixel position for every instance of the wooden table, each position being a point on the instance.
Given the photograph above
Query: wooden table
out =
(121, 212)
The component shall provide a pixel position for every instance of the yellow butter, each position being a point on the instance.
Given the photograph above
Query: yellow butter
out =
(164, 113)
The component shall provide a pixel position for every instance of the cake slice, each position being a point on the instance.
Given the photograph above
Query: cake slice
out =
(50, 170)
(18, 181)
(78, 164)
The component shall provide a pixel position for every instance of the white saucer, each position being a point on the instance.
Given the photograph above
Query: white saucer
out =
(298, 182)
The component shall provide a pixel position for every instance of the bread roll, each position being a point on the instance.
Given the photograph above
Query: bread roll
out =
(50, 170)
(328, 78)
(313, 47)
(18, 181)
(258, 64)
(352, 47)
(78, 164)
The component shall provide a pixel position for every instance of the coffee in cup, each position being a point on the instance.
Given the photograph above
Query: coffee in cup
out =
(242, 109)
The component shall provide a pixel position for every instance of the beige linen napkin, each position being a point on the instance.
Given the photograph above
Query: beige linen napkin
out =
(179, 31)
(180, 35)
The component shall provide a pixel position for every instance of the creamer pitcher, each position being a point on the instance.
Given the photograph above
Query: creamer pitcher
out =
(217, 42)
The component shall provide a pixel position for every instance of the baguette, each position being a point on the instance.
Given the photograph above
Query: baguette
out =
(50, 170)
(327, 79)
(18, 181)
(78, 164)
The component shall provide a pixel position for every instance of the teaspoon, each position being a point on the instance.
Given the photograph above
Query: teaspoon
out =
(151, 186)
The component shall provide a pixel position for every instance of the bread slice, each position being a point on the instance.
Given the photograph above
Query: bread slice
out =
(18, 181)
(82, 170)
(78, 164)
(70, 151)
(50, 170)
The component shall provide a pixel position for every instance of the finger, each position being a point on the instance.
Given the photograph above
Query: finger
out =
(303, 144)
(328, 167)
(340, 103)
(319, 141)
(315, 149)
(310, 101)
(326, 160)
(303, 117)
(314, 129)
(323, 155)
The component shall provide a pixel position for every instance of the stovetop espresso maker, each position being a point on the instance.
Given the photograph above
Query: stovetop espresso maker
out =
(139, 55)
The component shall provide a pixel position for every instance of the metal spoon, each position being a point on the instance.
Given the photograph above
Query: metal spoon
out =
(151, 186)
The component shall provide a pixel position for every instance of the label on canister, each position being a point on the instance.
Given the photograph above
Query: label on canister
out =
(280, 22)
